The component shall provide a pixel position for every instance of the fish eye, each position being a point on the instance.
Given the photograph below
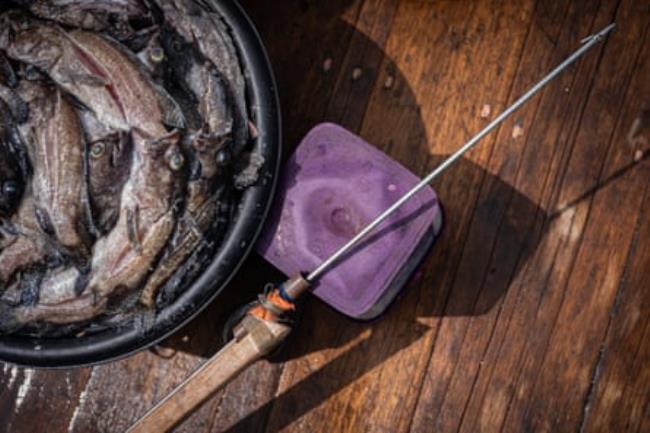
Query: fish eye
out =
(10, 188)
(97, 149)
(157, 55)
(31, 73)
(176, 161)
(223, 157)
(25, 23)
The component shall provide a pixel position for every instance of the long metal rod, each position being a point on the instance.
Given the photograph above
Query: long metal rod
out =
(587, 44)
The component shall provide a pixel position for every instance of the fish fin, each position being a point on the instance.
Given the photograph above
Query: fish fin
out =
(81, 282)
(44, 221)
(86, 79)
(132, 229)
(159, 142)
(173, 116)
(76, 103)
(30, 287)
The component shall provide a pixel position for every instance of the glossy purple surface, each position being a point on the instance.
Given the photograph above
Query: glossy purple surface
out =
(333, 185)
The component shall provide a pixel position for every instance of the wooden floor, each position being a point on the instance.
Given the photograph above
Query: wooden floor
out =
(532, 313)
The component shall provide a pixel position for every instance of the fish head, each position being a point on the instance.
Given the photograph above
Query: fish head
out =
(109, 161)
(164, 153)
(33, 42)
(176, 48)
(16, 21)
(173, 155)
(213, 153)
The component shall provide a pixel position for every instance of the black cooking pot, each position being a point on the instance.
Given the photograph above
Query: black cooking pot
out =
(254, 205)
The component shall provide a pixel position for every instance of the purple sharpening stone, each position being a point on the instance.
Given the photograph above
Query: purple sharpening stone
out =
(333, 185)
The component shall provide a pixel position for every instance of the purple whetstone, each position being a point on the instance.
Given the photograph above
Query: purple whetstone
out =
(333, 185)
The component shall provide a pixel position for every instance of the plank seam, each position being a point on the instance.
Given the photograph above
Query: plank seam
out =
(465, 238)
(271, 403)
(557, 186)
(534, 228)
(537, 108)
(598, 366)
(601, 171)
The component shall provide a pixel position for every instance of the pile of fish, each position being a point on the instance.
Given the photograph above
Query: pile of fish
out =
(122, 123)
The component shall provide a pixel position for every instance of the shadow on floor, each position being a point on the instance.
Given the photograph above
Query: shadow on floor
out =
(291, 30)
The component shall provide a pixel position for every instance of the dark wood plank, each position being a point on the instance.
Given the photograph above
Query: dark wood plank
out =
(618, 398)
(460, 358)
(544, 146)
(571, 351)
(27, 394)
(384, 397)
(530, 314)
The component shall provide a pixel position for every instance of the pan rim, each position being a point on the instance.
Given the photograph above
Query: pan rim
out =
(57, 353)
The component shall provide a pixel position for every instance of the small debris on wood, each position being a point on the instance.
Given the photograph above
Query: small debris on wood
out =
(638, 155)
(163, 352)
(518, 131)
(390, 80)
(637, 136)
(486, 111)
(356, 73)
(327, 64)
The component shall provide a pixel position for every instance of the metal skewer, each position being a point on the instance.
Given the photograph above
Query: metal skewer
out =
(262, 329)
(588, 42)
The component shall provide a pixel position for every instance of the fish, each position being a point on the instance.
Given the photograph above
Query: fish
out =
(50, 49)
(201, 90)
(98, 71)
(145, 105)
(147, 215)
(179, 56)
(197, 24)
(191, 232)
(221, 214)
(122, 259)
(109, 154)
(24, 290)
(62, 284)
(210, 156)
(161, 118)
(56, 147)
(24, 245)
(110, 16)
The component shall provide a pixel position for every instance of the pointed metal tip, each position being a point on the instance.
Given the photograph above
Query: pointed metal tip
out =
(600, 35)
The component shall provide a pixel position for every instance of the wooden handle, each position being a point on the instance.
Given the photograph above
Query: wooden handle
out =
(256, 339)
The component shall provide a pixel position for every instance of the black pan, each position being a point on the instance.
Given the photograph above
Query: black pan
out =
(255, 202)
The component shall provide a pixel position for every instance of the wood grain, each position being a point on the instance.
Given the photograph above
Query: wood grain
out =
(531, 314)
